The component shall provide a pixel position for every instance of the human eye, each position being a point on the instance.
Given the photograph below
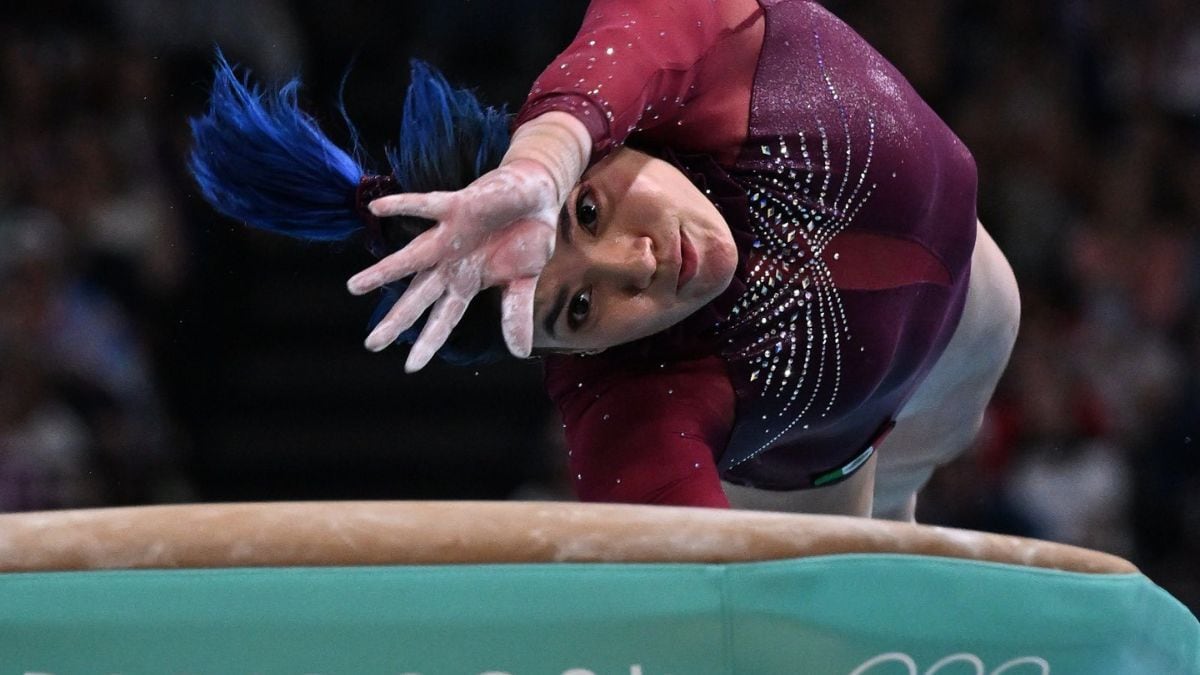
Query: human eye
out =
(577, 311)
(587, 211)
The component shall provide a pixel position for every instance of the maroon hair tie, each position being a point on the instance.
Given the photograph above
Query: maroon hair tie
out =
(369, 189)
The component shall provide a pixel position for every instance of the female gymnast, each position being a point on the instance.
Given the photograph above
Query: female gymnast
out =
(746, 249)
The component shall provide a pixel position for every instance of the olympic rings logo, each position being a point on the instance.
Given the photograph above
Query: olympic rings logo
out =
(1006, 668)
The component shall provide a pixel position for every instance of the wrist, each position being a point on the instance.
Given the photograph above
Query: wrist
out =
(558, 143)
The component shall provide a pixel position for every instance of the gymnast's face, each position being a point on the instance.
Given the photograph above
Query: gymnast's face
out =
(639, 248)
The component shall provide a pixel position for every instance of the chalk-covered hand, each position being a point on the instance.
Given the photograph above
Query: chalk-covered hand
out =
(499, 230)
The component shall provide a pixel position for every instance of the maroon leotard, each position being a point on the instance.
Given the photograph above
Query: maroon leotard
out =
(853, 208)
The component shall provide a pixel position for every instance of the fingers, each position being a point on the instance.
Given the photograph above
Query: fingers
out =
(499, 230)
(516, 320)
(445, 315)
(429, 205)
(423, 292)
(423, 252)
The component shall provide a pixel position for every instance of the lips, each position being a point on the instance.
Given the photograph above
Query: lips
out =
(688, 261)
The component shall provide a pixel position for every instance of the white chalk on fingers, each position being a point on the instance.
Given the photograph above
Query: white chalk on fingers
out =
(360, 285)
(427, 205)
(516, 316)
(517, 337)
(417, 359)
(381, 209)
(377, 341)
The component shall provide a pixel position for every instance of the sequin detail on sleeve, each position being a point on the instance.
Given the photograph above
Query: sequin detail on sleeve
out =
(631, 68)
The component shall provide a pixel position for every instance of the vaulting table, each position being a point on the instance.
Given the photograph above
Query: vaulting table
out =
(533, 588)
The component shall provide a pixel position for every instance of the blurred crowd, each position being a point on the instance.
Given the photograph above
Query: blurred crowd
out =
(1084, 118)
(1083, 115)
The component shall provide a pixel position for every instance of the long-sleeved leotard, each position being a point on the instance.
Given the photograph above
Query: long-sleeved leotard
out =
(853, 208)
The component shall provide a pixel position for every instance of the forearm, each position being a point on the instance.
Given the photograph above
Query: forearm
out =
(556, 141)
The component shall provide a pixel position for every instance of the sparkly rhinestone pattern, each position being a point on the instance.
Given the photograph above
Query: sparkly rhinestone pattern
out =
(798, 207)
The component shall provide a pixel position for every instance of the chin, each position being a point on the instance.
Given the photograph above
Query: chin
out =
(719, 263)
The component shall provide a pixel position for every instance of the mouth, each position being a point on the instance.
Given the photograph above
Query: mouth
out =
(688, 261)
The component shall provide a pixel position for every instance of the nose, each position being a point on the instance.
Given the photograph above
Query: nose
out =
(627, 262)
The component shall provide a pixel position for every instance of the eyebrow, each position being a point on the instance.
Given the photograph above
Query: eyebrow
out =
(564, 221)
(551, 320)
(560, 300)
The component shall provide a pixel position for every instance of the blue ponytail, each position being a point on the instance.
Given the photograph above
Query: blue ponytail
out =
(259, 159)
(446, 136)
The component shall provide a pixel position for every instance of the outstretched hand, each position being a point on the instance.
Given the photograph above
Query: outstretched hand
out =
(499, 230)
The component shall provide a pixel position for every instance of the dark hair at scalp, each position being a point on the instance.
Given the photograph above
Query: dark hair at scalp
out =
(260, 159)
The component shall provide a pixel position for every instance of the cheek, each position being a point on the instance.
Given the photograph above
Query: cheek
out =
(635, 318)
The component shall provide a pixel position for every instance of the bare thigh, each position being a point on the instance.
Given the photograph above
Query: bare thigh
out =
(944, 414)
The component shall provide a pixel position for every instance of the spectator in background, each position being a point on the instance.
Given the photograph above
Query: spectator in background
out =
(93, 250)
(1083, 117)
(46, 449)
(91, 409)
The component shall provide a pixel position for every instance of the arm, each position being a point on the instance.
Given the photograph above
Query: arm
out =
(635, 66)
(556, 143)
(644, 436)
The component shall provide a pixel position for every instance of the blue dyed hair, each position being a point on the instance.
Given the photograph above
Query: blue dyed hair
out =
(260, 159)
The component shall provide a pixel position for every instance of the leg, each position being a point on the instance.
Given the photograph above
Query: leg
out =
(944, 414)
